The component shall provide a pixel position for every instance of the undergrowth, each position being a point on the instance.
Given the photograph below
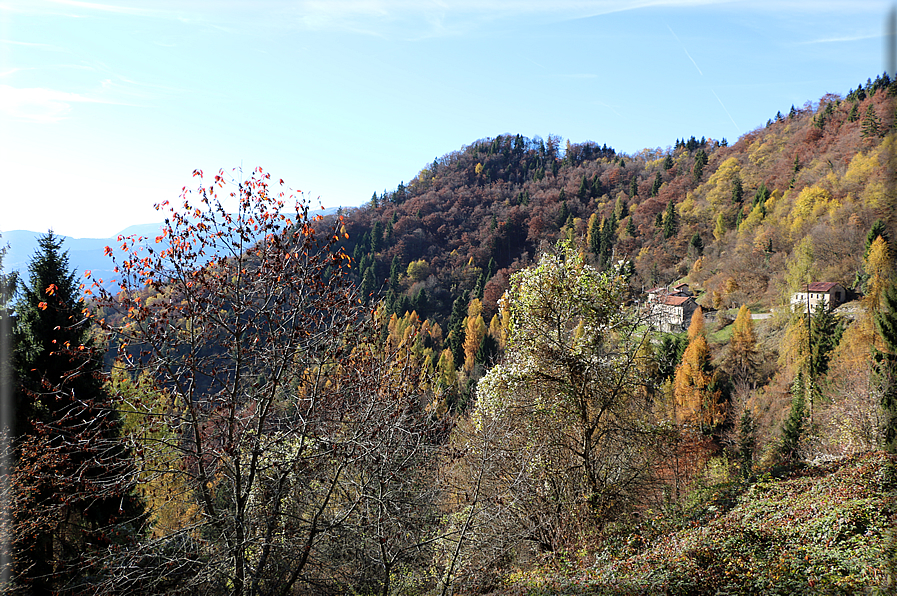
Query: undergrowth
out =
(822, 530)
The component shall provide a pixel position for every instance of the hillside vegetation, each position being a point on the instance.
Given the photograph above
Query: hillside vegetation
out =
(743, 217)
(465, 386)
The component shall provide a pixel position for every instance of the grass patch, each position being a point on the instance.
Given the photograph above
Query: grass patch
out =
(722, 336)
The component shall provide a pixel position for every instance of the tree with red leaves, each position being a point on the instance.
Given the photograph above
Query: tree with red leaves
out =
(305, 445)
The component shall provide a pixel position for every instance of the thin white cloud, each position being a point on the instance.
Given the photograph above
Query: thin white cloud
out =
(321, 14)
(41, 46)
(441, 18)
(102, 7)
(38, 104)
(845, 39)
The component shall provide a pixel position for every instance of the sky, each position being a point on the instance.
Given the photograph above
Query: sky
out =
(107, 106)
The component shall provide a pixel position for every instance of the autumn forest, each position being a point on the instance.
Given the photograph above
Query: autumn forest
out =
(536, 367)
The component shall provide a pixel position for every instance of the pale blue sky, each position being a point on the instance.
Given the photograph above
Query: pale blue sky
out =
(106, 107)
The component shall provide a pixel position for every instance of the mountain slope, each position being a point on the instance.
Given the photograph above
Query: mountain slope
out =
(817, 172)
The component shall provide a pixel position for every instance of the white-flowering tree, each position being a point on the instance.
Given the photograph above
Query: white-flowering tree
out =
(569, 388)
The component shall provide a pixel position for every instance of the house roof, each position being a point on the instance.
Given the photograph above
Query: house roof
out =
(675, 300)
(821, 286)
(677, 286)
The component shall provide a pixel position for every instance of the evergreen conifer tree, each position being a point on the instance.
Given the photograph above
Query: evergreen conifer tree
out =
(700, 162)
(747, 442)
(395, 269)
(886, 326)
(73, 474)
(670, 221)
(583, 192)
(879, 228)
(593, 234)
(608, 239)
(457, 332)
(368, 282)
(793, 427)
(596, 187)
(871, 123)
(658, 182)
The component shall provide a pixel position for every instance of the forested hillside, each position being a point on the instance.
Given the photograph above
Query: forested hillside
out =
(473, 383)
(733, 220)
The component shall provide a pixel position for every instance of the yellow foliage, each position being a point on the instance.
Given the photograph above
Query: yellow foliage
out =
(854, 351)
(698, 266)
(692, 380)
(687, 206)
(720, 183)
(743, 353)
(743, 329)
(731, 286)
(721, 228)
(504, 311)
(766, 148)
(874, 195)
(861, 168)
(476, 329)
(696, 327)
(474, 308)
(418, 270)
(495, 328)
(793, 347)
(878, 267)
(593, 219)
(801, 266)
(161, 483)
(445, 368)
(812, 202)
(749, 223)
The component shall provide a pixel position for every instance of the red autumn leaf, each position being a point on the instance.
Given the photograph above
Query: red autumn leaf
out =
(42, 305)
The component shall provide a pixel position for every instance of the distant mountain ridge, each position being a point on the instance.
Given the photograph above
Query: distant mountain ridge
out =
(85, 254)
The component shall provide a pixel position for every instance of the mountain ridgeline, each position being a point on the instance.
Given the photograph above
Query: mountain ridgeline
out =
(734, 221)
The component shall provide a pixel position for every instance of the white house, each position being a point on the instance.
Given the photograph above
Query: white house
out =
(829, 294)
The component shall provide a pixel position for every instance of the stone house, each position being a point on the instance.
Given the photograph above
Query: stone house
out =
(672, 313)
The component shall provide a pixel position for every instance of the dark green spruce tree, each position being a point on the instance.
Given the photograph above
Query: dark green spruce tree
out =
(73, 477)
(670, 221)
(886, 361)
(457, 333)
